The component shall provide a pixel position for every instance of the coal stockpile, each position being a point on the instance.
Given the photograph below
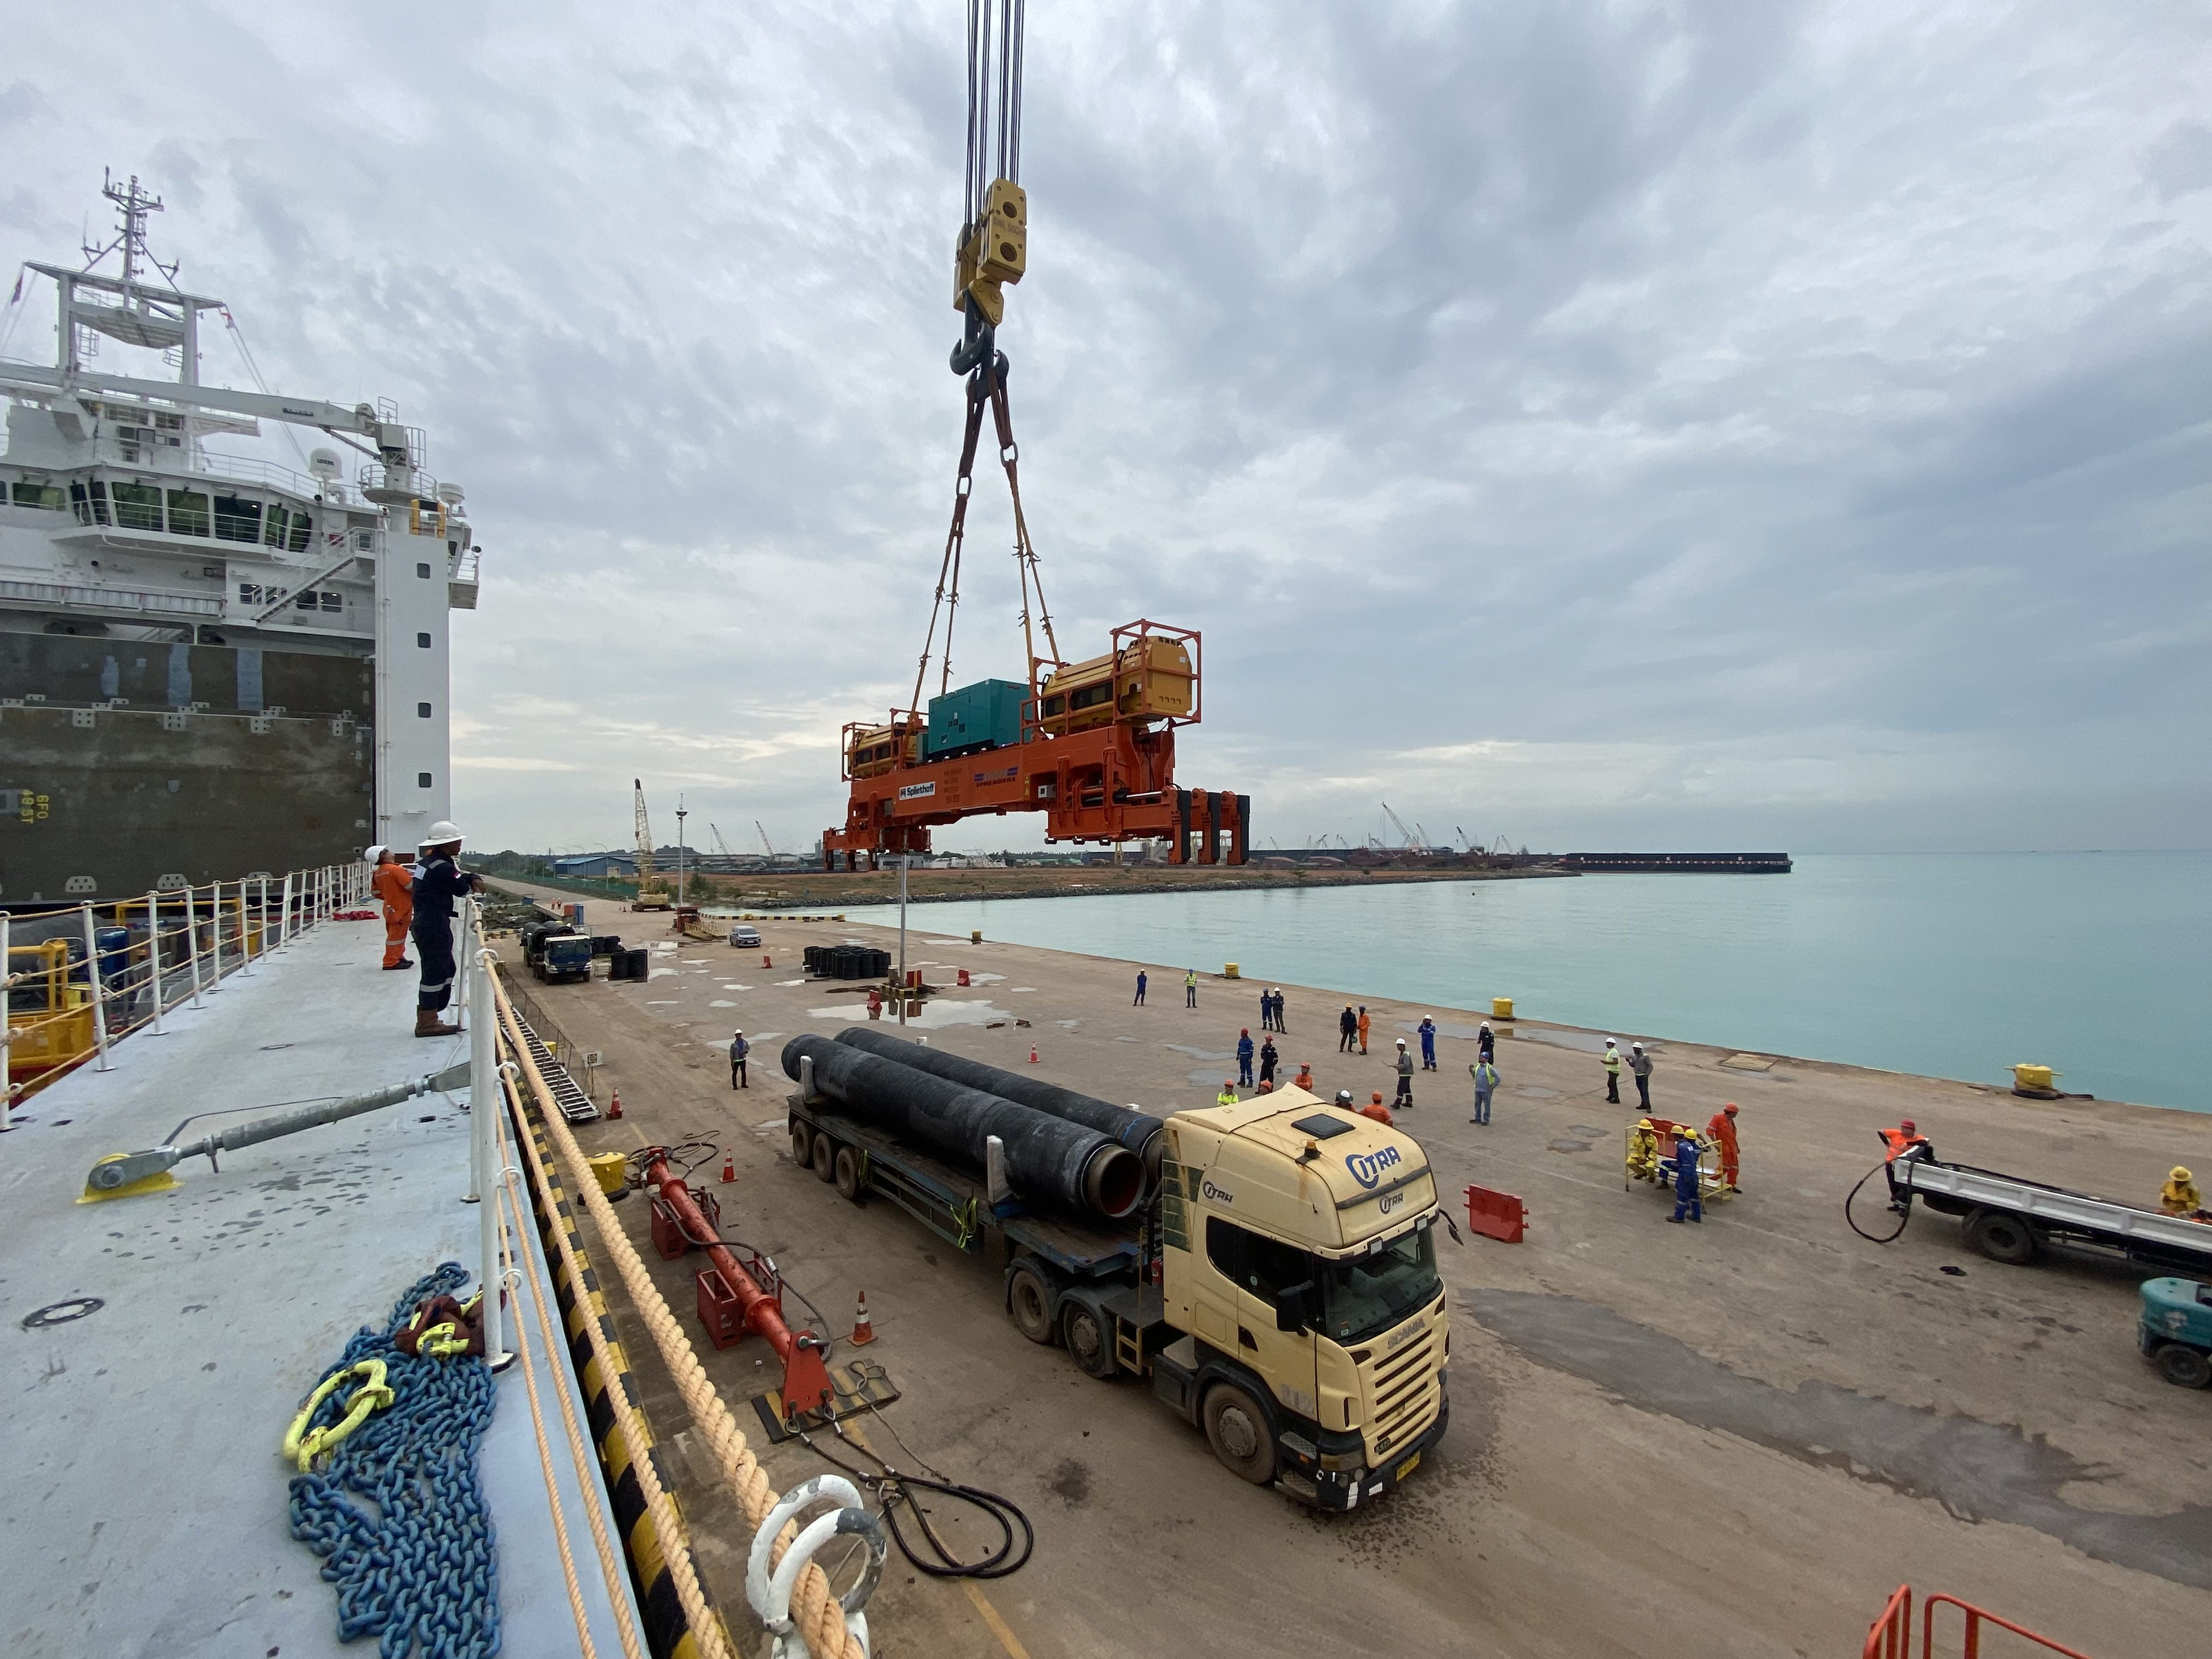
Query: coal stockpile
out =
(1048, 1160)
(1141, 1132)
(846, 961)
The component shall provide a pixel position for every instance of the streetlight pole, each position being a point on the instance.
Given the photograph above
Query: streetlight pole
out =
(679, 849)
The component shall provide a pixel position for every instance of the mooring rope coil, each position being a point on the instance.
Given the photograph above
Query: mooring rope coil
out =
(815, 1611)
(400, 1516)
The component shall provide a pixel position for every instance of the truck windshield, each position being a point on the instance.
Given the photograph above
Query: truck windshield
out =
(1367, 1295)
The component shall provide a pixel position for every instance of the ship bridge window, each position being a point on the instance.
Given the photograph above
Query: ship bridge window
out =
(90, 502)
(237, 519)
(287, 528)
(48, 496)
(188, 512)
(138, 506)
(320, 598)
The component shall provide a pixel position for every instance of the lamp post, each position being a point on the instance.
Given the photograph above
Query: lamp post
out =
(679, 849)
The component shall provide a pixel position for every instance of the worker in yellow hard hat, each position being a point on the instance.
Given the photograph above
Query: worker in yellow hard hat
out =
(2179, 1195)
(1643, 1152)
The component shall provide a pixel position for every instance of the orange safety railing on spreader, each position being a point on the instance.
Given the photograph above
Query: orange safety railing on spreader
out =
(1890, 1635)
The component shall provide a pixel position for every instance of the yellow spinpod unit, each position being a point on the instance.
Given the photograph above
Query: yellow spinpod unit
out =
(1148, 679)
(873, 750)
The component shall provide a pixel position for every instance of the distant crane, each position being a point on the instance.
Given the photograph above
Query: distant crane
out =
(1405, 834)
(652, 891)
(765, 846)
(715, 830)
(1464, 840)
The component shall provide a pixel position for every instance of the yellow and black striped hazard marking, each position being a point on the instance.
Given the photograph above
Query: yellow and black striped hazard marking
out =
(667, 1632)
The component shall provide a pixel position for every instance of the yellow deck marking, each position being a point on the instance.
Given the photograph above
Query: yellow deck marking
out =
(1007, 1639)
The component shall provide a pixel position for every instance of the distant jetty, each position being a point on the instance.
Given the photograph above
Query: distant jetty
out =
(1694, 864)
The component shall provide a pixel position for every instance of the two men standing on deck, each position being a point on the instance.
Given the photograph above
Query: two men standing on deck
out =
(1271, 1009)
(438, 883)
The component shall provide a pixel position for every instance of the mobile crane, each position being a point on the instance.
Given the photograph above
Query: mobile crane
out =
(1091, 744)
(651, 891)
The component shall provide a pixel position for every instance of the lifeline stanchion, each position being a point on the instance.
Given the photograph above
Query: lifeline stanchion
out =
(7, 1032)
(284, 916)
(484, 1134)
(154, 953)
(98, 1001)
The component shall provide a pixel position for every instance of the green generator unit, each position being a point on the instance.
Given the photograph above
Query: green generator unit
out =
(2176, 1330)
(985, 715)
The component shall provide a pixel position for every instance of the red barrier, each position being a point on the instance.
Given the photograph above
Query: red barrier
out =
(1496, 1215)
(1890, 1637)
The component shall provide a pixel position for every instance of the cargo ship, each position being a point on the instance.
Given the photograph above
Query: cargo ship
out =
(211, 666)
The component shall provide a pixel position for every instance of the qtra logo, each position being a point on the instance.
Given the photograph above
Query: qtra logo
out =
(1367, 1167)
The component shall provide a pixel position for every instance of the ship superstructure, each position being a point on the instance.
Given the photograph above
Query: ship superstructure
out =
(209, 664)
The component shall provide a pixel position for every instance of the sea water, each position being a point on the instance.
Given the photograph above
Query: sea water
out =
(1955, 965)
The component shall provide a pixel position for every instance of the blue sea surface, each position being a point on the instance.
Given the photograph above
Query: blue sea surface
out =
(1955, 965)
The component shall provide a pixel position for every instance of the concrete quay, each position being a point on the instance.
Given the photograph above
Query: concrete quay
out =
(1734, 1439)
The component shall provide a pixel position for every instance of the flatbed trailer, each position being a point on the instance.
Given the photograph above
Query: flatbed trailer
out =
(2014, 1220)
(1094, 1288)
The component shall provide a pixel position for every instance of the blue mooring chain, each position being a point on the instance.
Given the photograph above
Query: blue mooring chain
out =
(399, 1517)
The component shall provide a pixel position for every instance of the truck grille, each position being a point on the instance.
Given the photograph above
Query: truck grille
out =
(1405, 1396)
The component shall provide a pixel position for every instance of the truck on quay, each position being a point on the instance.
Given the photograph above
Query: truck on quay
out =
(1276, 1287)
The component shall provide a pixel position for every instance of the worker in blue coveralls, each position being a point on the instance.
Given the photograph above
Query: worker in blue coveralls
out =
(1686, 1176)
(1244, 1058)
(1428, 1043)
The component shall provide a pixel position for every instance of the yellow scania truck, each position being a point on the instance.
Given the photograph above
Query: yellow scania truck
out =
(1279, 1289)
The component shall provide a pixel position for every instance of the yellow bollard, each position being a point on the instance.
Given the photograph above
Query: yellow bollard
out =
(1229, 970)
(2034, 1077)
(1501, 1007)
(610, 1171)
(974, 936)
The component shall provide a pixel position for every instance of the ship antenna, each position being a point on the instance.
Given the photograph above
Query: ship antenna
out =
(133, 206)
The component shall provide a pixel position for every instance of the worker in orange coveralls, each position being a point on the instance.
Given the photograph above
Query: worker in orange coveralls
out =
(1722, 1130)
(393, 883)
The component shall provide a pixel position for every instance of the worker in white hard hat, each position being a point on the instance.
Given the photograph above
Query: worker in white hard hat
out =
(393, 883)
(1404, 1078)
(437, 882)
(1611, 1061)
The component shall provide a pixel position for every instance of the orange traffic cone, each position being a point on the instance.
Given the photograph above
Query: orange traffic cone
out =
(863, 1332)
(729, 1166)
(1033, 1059)
(614, 1104)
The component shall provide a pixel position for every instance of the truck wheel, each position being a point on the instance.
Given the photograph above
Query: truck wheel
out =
(2003, 1237)
(1236, 1429)
(825, 1150)
(845, 1170)
(1031, 1300)
(1093, 1350)
(802, 1146)
(2183, 1366)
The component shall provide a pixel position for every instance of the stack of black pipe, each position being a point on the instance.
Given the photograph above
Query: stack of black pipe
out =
(1050, 1160)
(846, 961)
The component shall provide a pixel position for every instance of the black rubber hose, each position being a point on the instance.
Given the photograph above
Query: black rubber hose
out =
(1048, 1159)
(893, 1489)
(1141, 1132)
(1904, 1217)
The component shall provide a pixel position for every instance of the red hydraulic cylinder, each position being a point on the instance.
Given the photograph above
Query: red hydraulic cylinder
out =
(806, 1386)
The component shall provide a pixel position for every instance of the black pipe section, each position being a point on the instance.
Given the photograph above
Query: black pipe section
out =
(1048, 1159)
(1141, 1132)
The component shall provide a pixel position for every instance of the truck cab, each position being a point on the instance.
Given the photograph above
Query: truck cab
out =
(1297, 1271)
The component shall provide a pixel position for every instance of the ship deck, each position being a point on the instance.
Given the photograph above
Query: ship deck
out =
(148, 1506)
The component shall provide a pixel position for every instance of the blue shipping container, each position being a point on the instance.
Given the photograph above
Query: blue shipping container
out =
(985, 715)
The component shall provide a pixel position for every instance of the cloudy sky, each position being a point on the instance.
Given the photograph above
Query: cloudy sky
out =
(1732, 424)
